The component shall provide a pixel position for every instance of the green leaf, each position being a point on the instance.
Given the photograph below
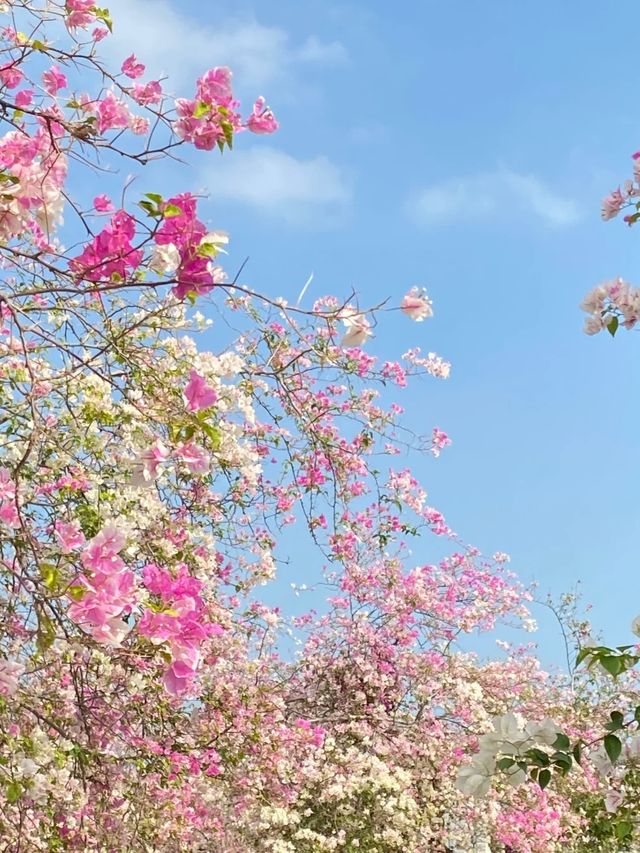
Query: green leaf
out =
(46, 633)
(562, 761)
(613, 747)
(612, 326)
(613, 665)
(636, 714)
(544, 777)
(171, 210)
(617, 722)
(76, 592)
(36, 44)
(14, 792)
(104, 16)
(505, 763)
(577, 752)
(150, 208)
(227, 129)
(156, 198)
(561, 742)
(50, 575)
(207, 250)
(623, 829)
(201, 109)
(213, 433)
(583, 654)
(539, 758)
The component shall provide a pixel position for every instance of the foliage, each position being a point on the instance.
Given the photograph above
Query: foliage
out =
(150, 487)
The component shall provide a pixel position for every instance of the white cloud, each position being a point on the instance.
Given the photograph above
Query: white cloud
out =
(169, 41)
(492, 195)
(303, 192)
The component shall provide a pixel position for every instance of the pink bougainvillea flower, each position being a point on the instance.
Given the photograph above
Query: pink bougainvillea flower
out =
(132, 68)
(416, 304)
(139, 125)
(145, 467)
(103, 204)
(53, 80)
(439, 440)
(24, 98)
(11, 76)
(81, 13)
(196, 458)
(69, 536)
(147, 93)
(198, 394)
(113, 114)
(262, 119)
(10, 672)
(215, 85)
(9, 515)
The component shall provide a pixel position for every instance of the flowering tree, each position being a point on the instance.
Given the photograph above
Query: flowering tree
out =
(149, 487)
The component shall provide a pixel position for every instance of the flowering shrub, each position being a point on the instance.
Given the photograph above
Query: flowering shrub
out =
(149, 487)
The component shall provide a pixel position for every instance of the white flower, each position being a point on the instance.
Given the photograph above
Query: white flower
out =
(358, 328)
(600, 761)
(594, 301)
(632, 748)
(635, 625)
(475, 778)
(516, 776)
(28, 767)
(613, 801)
(545, 732)
(164, 259)
(417, 305)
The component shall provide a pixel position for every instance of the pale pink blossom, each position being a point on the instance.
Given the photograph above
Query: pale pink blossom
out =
(10, 672)
(145, 467)
(139, 125)
(53, 80)
(612, 204)
(196, 458)
(358, 328)
(416, 304)
(147, 93)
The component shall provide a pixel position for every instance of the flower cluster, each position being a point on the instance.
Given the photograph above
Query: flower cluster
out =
(211, 118)
(510, 737)
(611, 304)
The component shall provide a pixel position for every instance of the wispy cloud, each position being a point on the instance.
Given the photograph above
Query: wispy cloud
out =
(169, 41)
(302, 192)
(492, 195)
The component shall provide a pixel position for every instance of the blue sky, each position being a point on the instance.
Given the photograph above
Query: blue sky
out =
(463, 146)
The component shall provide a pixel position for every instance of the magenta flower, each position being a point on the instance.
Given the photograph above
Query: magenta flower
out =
(262, 119)
(199, 395)
(103, 203)
(132, 68)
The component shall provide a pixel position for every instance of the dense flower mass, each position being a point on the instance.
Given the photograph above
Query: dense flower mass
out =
(157, 471)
